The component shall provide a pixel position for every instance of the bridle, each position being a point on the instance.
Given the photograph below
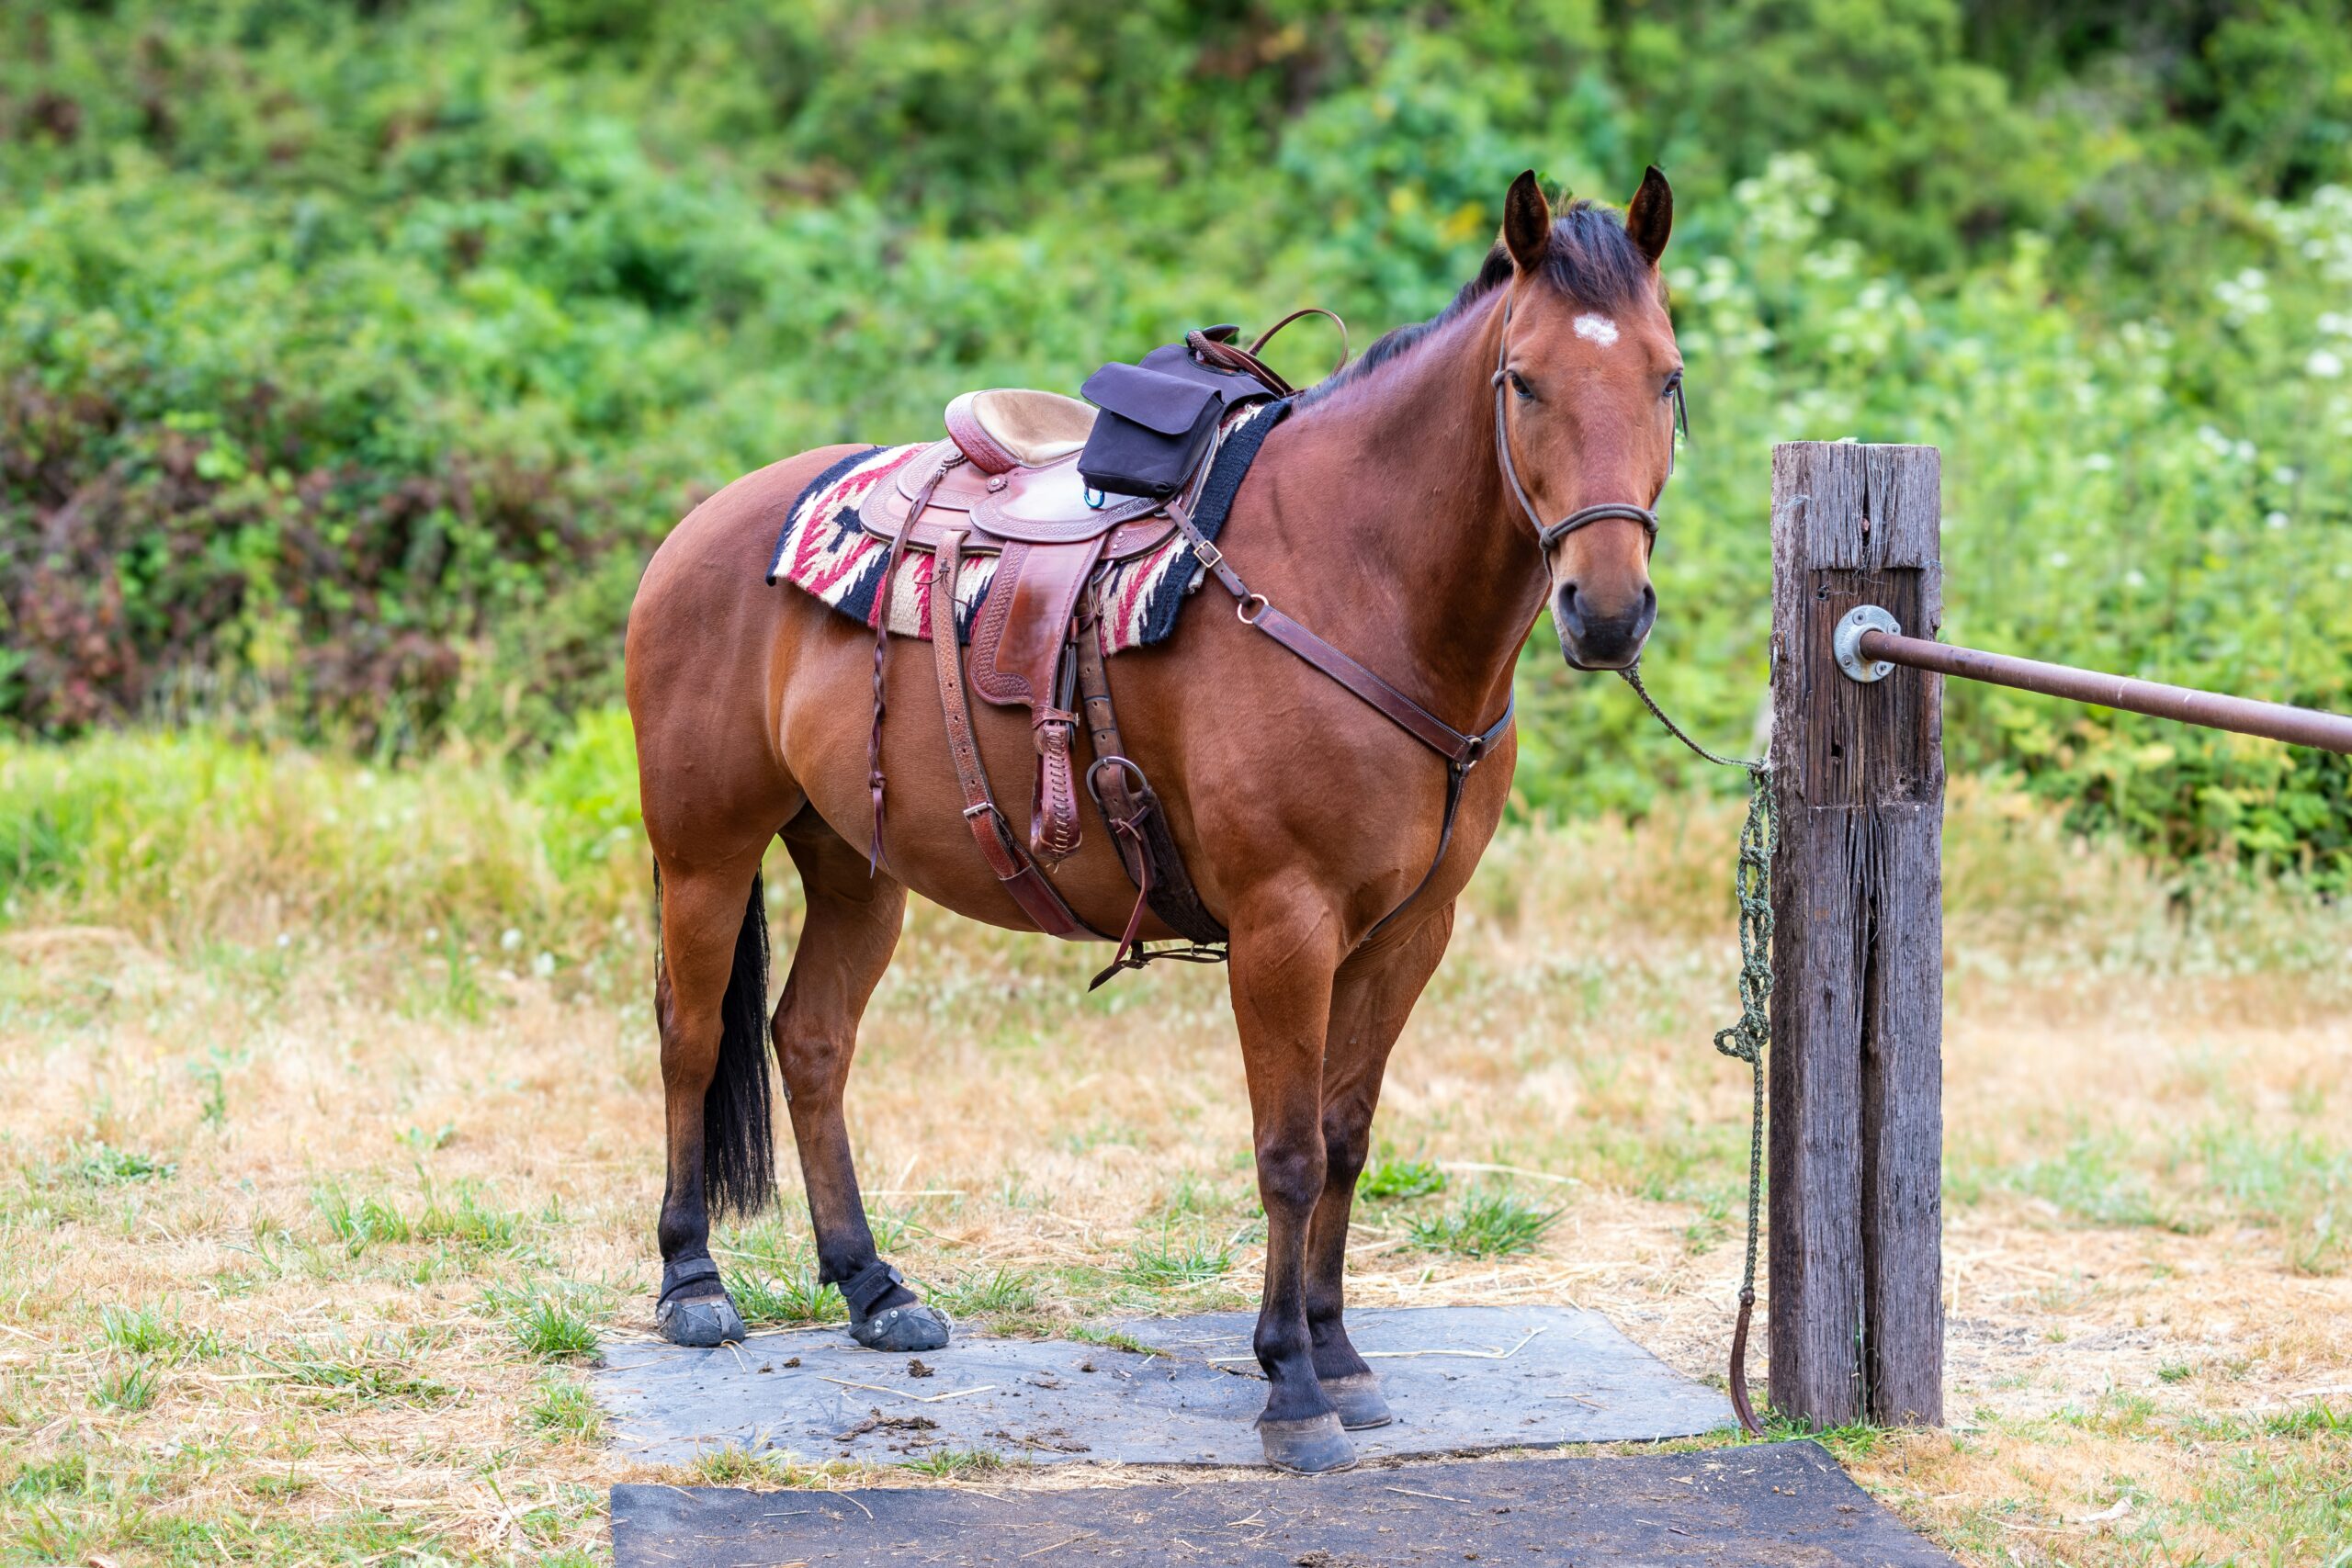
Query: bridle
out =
(1549, 533)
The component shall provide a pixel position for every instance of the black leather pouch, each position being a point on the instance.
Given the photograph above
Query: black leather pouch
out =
(1152, 432)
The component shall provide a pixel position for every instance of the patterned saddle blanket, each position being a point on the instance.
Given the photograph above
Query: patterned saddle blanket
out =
(827, 548)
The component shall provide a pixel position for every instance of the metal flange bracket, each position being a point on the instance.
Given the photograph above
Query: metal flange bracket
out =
(1846, 643)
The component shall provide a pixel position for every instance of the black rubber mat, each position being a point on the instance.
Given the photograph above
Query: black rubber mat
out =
(1778, 1506)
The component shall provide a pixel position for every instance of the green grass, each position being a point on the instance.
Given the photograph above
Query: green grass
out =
(1395, 1180)
(739, 1467)
(2294, 1181)
(773, 1289)
(375, 1370)
(64, 1475)
(459, 1215)
(997, 1292)
(550, 1319)
(1490, 1224)
(1167, 1260)
(562, 1409)
(98, 1164)
(359, 1224)
(958, 1464)
(127, 1389)
(138, 1331)
(1112, 1339)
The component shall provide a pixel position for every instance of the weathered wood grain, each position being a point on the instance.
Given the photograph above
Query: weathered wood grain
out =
(1856, 1149)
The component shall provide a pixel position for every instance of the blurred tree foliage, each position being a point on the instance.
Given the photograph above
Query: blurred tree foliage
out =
(353, 356)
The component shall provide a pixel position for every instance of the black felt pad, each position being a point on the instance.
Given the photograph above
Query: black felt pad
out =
(1779, 1506)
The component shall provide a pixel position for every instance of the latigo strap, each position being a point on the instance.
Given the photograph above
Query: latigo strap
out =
(1003, 852)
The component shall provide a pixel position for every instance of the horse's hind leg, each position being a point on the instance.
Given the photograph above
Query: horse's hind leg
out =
(710, 1001)
(1372, 996)
(846, 942)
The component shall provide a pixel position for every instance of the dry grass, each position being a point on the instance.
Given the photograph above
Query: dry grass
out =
(304, 1202)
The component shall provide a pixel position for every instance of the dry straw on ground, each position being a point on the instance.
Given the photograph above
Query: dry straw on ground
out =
(302, 1209)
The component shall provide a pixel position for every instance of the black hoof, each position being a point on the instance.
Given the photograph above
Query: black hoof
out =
(704, 1322)
(1358, 1401)
(898, 1329)
(1307, 1447)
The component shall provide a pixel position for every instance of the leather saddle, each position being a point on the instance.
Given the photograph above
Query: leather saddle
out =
(1005, 483)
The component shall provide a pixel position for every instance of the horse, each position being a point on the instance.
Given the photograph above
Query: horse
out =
(1399, 509)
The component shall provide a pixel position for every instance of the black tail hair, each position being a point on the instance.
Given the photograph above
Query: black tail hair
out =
(738, 1110)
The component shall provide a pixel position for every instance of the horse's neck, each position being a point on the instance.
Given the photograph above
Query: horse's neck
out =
(1398, 503)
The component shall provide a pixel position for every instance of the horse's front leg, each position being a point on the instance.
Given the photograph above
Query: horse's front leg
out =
(1371, 996)
(1283, 955)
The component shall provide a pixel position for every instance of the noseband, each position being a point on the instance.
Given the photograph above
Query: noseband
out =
(1551, 534)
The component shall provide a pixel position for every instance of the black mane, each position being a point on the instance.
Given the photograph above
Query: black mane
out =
(1591, 260)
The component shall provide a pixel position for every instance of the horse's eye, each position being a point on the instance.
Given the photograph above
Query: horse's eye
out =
(1673, 386)
(1518, 384)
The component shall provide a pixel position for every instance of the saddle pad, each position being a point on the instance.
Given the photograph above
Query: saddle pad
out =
(822, 549)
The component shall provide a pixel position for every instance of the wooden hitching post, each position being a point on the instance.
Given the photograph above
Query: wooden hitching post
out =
(1856, 1083)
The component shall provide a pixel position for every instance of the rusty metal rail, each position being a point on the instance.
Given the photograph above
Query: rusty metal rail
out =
(1867, 644)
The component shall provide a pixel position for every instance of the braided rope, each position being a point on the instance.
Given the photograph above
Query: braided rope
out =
(1745, 1039)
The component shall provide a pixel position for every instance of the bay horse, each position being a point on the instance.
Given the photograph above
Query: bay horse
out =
(1399, 511)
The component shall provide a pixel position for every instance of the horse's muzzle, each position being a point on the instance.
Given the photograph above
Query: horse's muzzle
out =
(1594, 636)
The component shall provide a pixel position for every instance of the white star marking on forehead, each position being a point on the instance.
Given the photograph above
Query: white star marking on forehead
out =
(1596, 329)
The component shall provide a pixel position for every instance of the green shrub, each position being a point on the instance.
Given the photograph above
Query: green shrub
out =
(354, 358)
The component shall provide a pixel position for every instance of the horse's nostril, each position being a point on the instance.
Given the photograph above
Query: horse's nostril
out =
(1564, 608)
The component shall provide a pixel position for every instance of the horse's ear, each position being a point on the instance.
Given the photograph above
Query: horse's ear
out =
(1526, 222)
(1650, 216)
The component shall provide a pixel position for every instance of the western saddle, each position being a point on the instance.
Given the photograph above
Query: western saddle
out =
(1005, 481)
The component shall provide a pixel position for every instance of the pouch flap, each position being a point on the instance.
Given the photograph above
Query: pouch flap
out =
(1149, 398)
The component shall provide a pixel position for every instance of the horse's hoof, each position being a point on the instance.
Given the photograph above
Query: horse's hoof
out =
(915, 1327)
(704, 1322)
(1357, 1399)
(1307, 1447)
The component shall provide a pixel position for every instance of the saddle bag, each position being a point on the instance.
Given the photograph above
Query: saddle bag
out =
(1157, 418)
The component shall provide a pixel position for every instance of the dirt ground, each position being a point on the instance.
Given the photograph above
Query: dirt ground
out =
(309, 1235)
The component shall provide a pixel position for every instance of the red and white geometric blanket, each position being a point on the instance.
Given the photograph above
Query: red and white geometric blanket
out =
(822, 549)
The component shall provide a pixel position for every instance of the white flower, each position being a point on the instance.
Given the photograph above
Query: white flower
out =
(510, 939)
(2327, 366)
(2275, 522)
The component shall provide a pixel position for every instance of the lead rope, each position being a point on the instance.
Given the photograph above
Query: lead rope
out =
(1745, 1040)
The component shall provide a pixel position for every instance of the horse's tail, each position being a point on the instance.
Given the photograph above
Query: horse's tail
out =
(738, 1110)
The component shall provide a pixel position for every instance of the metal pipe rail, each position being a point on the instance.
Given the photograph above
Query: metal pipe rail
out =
(1868, 643)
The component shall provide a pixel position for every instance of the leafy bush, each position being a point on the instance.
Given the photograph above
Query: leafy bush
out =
(354, 358)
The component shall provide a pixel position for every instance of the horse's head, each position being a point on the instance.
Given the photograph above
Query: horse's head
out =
(1588, 389)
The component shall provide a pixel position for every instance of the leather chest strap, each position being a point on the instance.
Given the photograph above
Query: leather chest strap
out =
(1003, 852)
(1462, 750)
